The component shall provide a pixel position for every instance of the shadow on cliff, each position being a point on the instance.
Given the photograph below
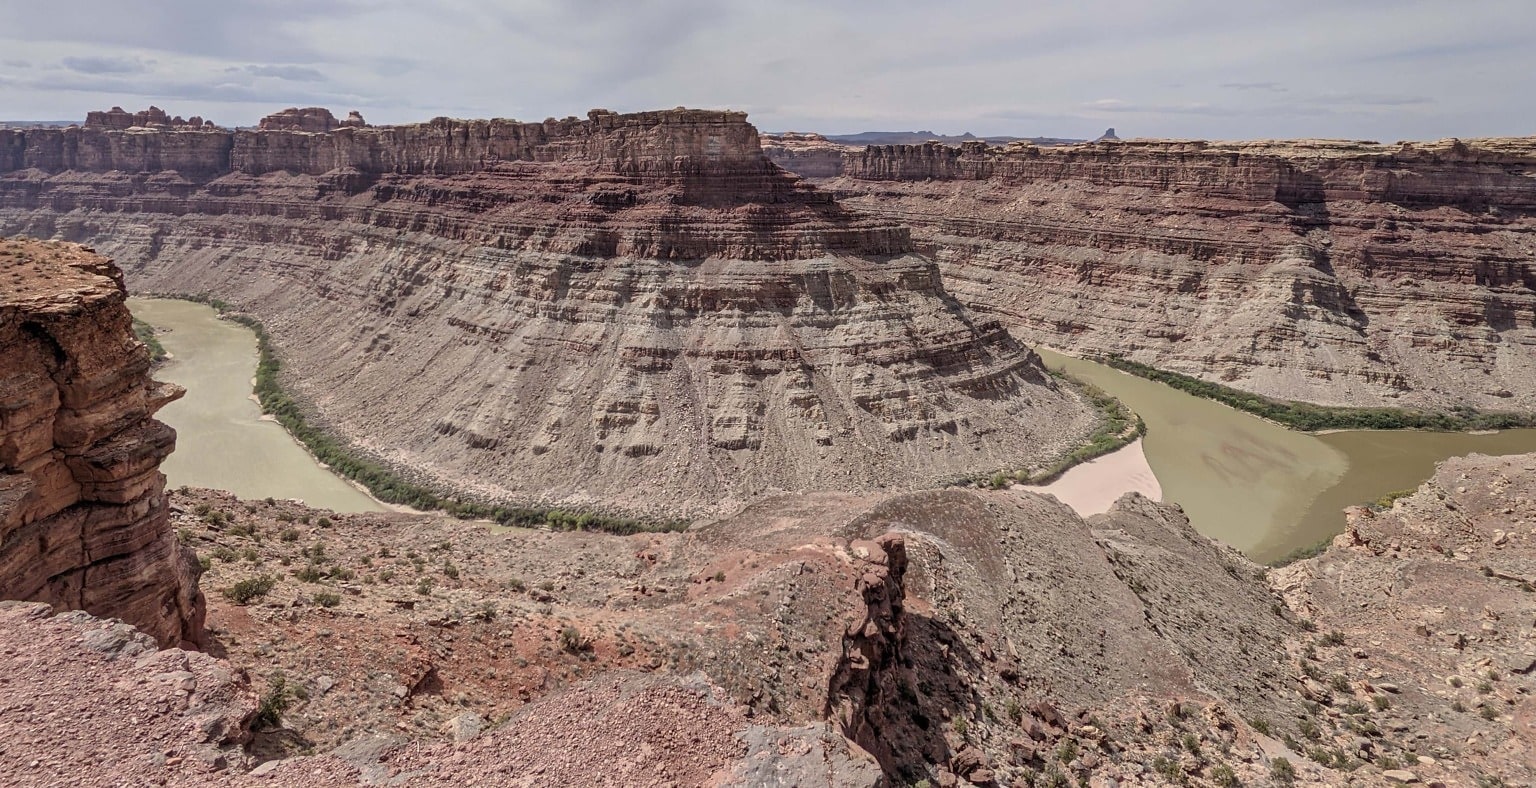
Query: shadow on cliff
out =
(910, 711)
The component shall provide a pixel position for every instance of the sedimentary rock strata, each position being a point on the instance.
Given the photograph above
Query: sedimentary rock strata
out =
(638, 310)
(82, 506)
(1333, 272)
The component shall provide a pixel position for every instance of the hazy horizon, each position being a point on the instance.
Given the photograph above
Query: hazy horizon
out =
(1374, 69)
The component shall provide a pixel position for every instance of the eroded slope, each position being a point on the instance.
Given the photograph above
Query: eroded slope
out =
(629, 310)
(1334, 272)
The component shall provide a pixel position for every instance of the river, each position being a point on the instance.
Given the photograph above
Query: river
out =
(221, 439)
(1257, 486)
(1265, 489)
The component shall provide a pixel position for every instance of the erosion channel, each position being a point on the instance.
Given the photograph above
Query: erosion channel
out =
(222, 441)
(1265, 489)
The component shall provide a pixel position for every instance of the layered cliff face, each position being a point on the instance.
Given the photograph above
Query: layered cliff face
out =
(1333, 272)
(82, 504)
(631, 310)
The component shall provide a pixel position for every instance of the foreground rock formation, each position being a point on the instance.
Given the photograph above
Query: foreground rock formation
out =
(962, 637)
(634, 310)
(1333, 272)
(82, 505)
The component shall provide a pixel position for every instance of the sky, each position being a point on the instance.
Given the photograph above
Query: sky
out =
(1217, 69)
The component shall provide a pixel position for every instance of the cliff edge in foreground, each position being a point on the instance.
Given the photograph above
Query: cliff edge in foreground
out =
(83, 518)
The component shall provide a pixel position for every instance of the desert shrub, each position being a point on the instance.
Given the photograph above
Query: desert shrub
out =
(274, 702)
(1281, 770)
(289, 535)
(252, 588)
(1222, 775)
(309, 573)
(573, 641)
(327, 598)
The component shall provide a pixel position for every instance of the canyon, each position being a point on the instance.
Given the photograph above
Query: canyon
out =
(649, 287)
(1333, 272)
(635, 312)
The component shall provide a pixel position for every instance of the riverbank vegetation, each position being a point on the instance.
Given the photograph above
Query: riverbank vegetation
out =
(383, 482)
(146, 334)
(1312, 418)
(1118, 427)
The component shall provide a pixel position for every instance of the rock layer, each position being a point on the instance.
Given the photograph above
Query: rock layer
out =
(634, 310)
(1333, 272)
(83, 519)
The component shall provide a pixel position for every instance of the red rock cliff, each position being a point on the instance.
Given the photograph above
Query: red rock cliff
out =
(1335, 272)
(83, 519)
(636, 310)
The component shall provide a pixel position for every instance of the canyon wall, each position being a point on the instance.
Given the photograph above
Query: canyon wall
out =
(638, 311)
(1345, 273)
(83, 518)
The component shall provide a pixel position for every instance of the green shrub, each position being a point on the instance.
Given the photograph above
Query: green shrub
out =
(1222, 775)
(289, 535)
(1281, 770)
(327, 598)
(274, 702)
(572, 640)
(145, 333)
(252, 588)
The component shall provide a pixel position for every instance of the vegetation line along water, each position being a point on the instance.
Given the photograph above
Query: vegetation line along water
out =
(1118, 428)
(1313, 418)
(382, 482)
(146, 334)
(1263, 487)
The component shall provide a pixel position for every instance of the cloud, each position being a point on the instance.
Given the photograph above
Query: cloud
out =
(105, 65)
(1271, 87)
(290, 73)
(1374, 100)
(1365, 69)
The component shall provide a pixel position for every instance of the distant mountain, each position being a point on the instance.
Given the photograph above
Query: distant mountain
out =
(918, 137)
(29, 124)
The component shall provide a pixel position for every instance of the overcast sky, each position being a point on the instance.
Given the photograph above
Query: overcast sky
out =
(1376, 69)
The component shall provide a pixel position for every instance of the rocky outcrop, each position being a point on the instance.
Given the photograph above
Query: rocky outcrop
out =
(944, 633)
(637, 311)
(93, 702)
(1334, 272)
(83, 519)
(311, 119)
(1427, 606)
(119, 119)
(806, 155)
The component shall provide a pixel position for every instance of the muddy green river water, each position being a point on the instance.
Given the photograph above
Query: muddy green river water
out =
(1257, 486)
(221, 439)
(1262, 488)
